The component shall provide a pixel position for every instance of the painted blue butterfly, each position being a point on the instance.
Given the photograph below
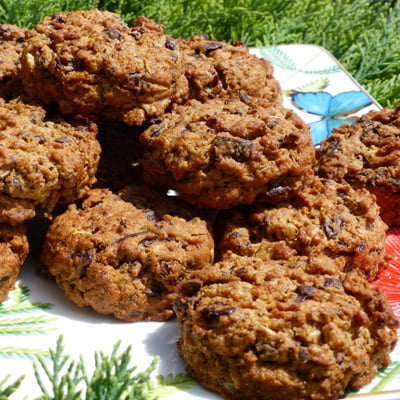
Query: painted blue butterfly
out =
(334, 110)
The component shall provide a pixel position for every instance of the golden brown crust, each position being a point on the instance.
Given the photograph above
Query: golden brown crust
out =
(42, 162)
(226, 151)
(264, 329)
(214, 68)
(12, 43)
(367, 155)
(91, 62)
(322, 217)
(126, 257)
(14, 248)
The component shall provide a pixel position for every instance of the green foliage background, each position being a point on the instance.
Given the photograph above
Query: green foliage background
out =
(363, 35)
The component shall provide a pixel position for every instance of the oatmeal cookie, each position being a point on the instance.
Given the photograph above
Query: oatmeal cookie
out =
(42, 162)
(213, 68)
(322, 217)
(91, 62)
(367, 155)
(12, 42)
(272, 330)
(14, 248)
(126, 255)
(226, 151)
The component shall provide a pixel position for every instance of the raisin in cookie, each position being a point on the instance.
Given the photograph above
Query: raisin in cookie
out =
(12, 43)
(14, 248)
(367, 154)
(42, 162)
(91, 62)
(214, 68)
(322, 217)
(226, 151)
(269, 330)
(126, 255)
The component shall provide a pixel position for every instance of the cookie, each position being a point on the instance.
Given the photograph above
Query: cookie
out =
(267, 329)
(215, 68)
(14, 248)
(366, 154)
(42, 162)
(227, 151)
(322, 217)
(91, 63)
(126, 255)
(12, 43)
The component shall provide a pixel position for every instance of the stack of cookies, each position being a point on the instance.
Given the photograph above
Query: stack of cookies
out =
(177, 185)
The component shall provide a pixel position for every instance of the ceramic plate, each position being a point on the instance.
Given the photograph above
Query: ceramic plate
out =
(36, 313)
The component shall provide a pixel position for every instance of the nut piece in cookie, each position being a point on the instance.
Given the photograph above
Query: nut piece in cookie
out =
(14, 248)
(322, 217)
(42, 162)
(226, 151)
(126, 255)
(91, 62)
(367, 155)
(266, 330)
(12, 43)
(215, 68)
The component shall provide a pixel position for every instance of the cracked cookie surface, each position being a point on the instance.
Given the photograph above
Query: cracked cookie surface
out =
(266, 329)
(90, 62)
(125, 255)
(14, 248)
(226, 151)
(322, 217)
(366, 154)
(42, 162)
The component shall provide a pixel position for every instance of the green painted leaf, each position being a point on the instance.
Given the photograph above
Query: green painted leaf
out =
(387, 375)
(278, 57)
(170, 383)
(333, 69)
(318, 85)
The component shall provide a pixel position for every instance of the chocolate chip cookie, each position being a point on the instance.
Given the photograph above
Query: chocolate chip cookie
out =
(14, 248)
(42, 162)
(91, 63)
(12, 43)
(227, 151)
(126, 255)
(215, 68)
(367, 154)
(266, 329)
(322, 217)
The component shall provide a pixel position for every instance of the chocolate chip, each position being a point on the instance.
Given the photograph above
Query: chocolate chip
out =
(214, 312)
(191, 288)
(58, 18)
(244, 98)
(305, 292)
(147, 242)
(331, 282)
(303, 355)
(212, 46)
(63, 139)
(113, 33)
(171, 44)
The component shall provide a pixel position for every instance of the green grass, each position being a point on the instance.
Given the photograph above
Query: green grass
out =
(362, 35)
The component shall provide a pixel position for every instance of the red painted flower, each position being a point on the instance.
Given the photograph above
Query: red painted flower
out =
(389, 278)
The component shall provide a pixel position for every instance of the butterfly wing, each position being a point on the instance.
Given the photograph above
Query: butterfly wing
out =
(321, 129)
(314, 103)
(348, 102)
